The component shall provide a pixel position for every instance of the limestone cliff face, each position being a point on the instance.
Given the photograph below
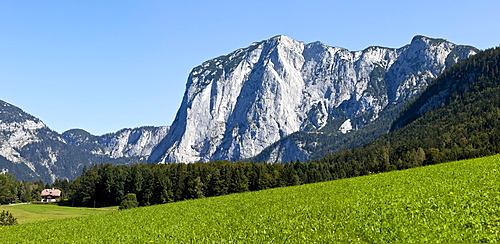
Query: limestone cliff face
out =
(237, 105)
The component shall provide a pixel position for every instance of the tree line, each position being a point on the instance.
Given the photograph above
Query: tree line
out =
(12, 191)
(106, 184)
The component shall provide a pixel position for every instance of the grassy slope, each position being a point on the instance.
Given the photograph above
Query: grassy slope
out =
(27, 213)
(452, 202)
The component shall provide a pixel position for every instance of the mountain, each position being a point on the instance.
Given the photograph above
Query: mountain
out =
(32, 151)
(29, 149)
(280, 99)
(462, 124)
(137, 142)
(277, 100)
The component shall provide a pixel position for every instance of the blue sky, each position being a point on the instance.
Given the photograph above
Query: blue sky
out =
(107, 65)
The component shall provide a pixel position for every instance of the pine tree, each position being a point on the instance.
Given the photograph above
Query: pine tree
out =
(6, 218)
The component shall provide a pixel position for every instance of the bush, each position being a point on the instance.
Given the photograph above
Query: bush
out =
(44, 203)
(130, 201)
(6, 218)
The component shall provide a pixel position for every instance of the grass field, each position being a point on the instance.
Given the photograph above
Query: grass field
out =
(452, 202)
(27, 213)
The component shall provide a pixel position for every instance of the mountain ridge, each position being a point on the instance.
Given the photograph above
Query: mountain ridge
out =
(237, 105)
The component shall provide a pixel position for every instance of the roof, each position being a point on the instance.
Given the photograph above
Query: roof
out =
(51, 192)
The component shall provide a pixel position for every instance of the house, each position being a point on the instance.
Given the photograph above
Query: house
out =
(50, 195)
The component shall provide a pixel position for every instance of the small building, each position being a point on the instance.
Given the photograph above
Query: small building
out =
(50, 195)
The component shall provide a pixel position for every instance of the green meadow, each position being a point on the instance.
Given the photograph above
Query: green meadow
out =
(451, 202)
(27, 213)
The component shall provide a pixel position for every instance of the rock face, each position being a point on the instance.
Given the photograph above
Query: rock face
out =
(236, 106)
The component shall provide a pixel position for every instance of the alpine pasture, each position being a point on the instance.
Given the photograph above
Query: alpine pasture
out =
(450, 202)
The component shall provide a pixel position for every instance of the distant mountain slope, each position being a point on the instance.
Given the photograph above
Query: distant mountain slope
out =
(31, 151)
(280, 100)
(460, 110)
(137, 142)
(466, 77)
(457, 117)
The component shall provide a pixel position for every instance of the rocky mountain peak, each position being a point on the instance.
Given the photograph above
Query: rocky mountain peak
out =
(78, 136)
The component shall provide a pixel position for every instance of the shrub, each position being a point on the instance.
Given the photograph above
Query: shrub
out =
(130, 201)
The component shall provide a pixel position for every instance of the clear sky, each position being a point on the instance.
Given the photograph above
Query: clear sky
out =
(107, 65)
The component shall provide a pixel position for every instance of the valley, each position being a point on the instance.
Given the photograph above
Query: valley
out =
(249, 122)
